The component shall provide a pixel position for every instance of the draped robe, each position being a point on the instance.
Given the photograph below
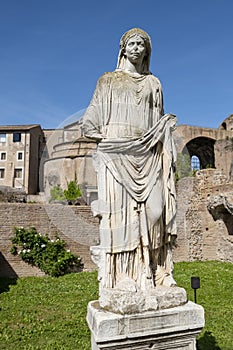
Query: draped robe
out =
(134, 163)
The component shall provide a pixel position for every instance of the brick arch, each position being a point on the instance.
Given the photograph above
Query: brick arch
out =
(203, 148)
(186, 133)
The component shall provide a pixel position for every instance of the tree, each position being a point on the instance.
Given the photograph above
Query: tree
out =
(73, 191)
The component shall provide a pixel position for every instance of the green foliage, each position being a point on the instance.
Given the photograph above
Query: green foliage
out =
(49, 255)
(193, 173)
(56, 193)
(73, 191)
(50, 313)
(183, 166)
(208, 166)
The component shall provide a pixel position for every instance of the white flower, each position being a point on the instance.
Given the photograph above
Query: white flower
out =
(68, 250)
(52, 241)
(28, 250)
(24, 251)
(43, 245)
(19, 252)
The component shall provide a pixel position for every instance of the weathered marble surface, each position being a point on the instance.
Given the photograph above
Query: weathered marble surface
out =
(173, 328)
(134, 162)
(140, 306)
(131, 302)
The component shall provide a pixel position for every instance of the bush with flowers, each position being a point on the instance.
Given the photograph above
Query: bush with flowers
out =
(49, 255)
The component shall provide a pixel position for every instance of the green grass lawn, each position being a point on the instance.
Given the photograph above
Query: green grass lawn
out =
(49, 313)
(216, 296)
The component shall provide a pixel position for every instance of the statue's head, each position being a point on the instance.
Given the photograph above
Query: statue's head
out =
(125, 38)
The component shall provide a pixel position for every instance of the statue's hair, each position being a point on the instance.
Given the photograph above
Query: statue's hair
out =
(124, 39)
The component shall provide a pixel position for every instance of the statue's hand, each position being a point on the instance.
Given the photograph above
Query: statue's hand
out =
(173, 119)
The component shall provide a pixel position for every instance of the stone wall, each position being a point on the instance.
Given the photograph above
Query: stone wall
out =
(204, 221)
(74, 224)
(203, 235)
(224, 156)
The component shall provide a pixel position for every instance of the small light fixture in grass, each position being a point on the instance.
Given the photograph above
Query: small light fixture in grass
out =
(195, 284)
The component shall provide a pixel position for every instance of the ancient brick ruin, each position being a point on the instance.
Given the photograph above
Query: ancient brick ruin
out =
(204, 198)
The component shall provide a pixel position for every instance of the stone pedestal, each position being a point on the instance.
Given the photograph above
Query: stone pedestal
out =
(167, 329)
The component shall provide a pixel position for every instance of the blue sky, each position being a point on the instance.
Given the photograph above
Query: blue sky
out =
(53, 52)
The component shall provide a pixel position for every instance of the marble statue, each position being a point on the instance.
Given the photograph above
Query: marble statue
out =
(139, 305)
(134, 161)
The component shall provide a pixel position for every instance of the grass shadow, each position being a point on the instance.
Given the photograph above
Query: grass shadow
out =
(7, 274)
(6, 282)
(207, 342)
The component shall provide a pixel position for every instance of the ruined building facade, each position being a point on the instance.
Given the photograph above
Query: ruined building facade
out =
(54, 157)
(20, 154)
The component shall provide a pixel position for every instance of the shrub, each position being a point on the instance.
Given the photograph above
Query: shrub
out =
(56, 193)
(70, 195)
(41, 251)
(73, 191)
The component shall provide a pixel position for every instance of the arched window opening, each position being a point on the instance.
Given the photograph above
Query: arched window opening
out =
(203, 149)
(195, 163)
(224, 126)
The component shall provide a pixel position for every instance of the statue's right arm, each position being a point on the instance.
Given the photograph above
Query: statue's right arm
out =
(91, 121)
(90, 129)
(94, 118)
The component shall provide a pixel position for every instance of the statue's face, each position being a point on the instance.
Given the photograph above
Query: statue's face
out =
(135, 49)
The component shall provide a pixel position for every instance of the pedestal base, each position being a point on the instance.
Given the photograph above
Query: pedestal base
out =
(168, 329)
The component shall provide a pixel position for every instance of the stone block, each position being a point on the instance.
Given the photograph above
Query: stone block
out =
(131, 302)
(174, 328)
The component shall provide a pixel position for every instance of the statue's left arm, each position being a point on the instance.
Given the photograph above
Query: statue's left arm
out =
(159, 97)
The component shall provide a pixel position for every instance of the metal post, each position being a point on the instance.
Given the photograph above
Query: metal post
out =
(195, 284)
